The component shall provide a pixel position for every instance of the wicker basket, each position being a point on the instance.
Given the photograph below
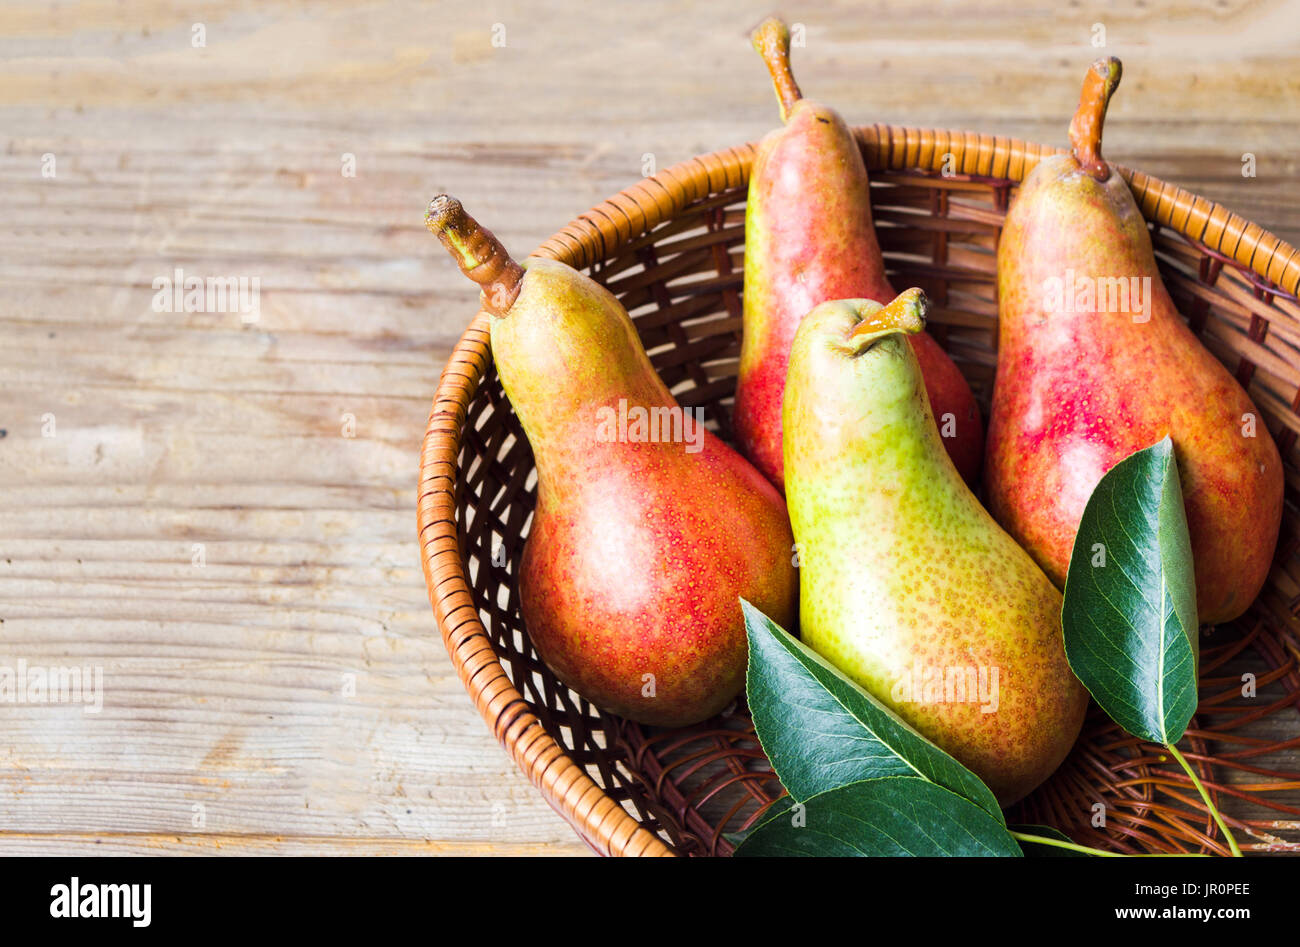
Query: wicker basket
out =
(670, 248)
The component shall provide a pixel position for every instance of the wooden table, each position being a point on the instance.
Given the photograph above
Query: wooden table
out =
(220, 514)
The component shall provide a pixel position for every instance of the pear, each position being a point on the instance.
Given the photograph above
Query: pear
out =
(907, 585)
(647, 529)
(809, 238)
(1095, 363)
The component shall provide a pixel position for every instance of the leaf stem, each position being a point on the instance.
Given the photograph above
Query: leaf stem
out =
(1044, 840)
(1232, 842)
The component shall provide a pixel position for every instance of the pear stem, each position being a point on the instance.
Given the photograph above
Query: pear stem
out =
(771, 39)
(1085, 129)
(906, 313)
(477, 252)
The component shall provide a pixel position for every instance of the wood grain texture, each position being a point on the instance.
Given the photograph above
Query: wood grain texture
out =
(293, 685)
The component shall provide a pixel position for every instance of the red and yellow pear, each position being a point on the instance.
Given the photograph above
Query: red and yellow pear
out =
(1095, 363)
(809, 238)
(648, 529)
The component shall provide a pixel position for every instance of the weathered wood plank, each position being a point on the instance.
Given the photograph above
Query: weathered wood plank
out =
(224, 683)
(12, 844)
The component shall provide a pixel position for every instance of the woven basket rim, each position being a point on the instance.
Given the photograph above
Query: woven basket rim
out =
(609, 228)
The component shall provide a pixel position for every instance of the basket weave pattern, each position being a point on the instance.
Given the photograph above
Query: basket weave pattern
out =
(671, 248)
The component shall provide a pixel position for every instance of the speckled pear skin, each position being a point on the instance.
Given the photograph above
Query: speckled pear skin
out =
(1076, 392)
(900, 565)
(638, 552)
(809, 238)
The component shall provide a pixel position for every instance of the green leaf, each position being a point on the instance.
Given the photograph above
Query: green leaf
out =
(1038, 850)
(890, 816)
(821, 730)
(1129, 615)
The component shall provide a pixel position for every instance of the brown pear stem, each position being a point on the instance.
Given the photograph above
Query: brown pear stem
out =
(906, 313)
(771, 39)
(1085, 130)
(477, 252)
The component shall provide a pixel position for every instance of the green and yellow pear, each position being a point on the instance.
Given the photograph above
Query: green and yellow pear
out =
(906, 583)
